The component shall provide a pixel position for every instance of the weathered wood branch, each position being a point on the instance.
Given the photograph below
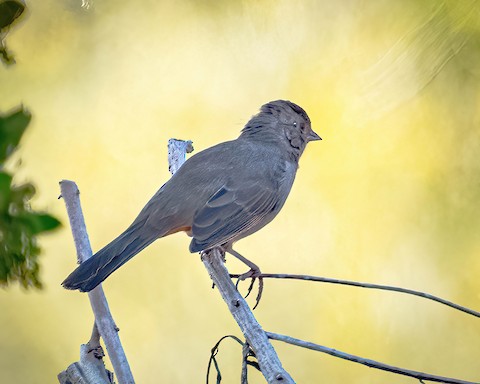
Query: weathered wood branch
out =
(256, 337)
(89, 370)
(368, 362)
(177, 152)
(103, 318)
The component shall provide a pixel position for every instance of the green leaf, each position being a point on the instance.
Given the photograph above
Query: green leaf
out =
(12, 128)
(24, 191)
(9, 11)
(19, 225)
(5, 193)
(38, 222)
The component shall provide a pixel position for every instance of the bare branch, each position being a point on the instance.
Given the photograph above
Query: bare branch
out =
(368, 362)
(256, 337)
(90, 369)
(177, 150)
(367, 285)
(103, 318)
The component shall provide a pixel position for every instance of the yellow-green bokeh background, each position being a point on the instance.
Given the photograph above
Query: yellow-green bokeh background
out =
(391, 195)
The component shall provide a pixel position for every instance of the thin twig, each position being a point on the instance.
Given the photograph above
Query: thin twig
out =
(368, 362)
(103, 318)
(367, 285)
(213, 354)
(94, 342)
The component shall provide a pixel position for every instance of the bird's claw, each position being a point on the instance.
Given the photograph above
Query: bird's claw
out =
(252, 274)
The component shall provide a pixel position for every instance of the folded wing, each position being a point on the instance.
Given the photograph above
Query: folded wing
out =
(231, 212)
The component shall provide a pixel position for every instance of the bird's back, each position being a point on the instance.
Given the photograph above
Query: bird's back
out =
(252, 173)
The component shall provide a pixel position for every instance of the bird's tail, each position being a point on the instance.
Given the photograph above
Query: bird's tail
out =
(93, 271)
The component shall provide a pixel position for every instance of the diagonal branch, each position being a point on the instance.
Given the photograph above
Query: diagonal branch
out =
(368, 362)
(256, 337)
(103, 318)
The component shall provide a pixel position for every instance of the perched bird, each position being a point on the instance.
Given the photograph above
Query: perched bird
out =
(218, 196)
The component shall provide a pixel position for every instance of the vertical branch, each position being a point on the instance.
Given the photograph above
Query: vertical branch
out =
(177, 152)
(103, 318)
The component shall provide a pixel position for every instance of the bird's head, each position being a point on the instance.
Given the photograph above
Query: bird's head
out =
(284, 121)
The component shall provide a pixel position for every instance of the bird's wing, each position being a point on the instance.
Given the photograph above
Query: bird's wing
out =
(230, 212)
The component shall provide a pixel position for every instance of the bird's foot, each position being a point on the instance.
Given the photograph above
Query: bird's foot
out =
(253, 274)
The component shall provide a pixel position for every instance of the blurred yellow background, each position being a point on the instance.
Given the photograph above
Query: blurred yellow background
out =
(391, 195)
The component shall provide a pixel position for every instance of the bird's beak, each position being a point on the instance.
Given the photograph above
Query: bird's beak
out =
(312, 136)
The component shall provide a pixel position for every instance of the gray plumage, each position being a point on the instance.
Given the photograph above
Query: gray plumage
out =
(218, 196)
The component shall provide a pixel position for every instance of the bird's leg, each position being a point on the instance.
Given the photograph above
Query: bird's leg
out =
(253, 274)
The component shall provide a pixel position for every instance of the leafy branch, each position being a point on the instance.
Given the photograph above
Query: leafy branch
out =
(19, 224)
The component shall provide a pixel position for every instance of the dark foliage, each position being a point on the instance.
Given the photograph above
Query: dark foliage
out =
(19, 224)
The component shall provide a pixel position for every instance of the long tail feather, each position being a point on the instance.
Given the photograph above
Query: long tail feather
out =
(93, 271)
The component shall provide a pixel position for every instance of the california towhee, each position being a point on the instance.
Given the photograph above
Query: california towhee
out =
(218, 196)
